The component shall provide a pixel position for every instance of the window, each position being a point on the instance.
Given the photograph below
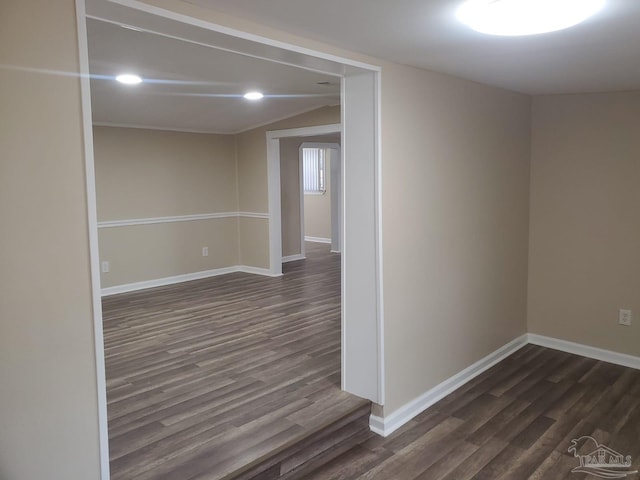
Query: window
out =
(313, 170)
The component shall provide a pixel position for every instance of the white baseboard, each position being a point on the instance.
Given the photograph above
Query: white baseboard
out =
(585, 351)
(317, 239)
(377, 425)
(256, 271)
(160, 282)
(389, 424)
(293, 258)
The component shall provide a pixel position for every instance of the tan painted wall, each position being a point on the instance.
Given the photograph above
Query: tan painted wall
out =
(140, 253)
(585, 220)
(317, 209)
(254, 250)
(150, 173)
(48, 400)
(252, 156)
(252, 184)
(455, 186)
(468, 288)
(290, 196)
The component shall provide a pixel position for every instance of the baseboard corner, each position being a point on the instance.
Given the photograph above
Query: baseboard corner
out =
(588, 351)
(376, 425)
(293, 258)
(389, 424)
(265, 272)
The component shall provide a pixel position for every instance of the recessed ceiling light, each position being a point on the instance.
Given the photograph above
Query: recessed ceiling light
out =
(129, 79)
(253, 95)
(525, 17)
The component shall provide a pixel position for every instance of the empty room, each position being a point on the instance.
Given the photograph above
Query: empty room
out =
(465, 307)
(214, 360)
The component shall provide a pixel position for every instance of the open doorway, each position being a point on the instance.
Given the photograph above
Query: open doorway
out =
(322, 192)
(202, 348)
(311, 192)
(362, 357)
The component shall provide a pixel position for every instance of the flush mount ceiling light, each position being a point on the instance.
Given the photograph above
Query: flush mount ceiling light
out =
(253, 95)
(129, 79)
(525, 17)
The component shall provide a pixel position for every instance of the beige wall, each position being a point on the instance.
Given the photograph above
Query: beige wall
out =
(48, 400)
(585, 220)
(151, 173)
(290, 196)
(254, 249)
(252, 155)
(252, 183)
(455, 189)
(317, 208)
(139, 253)
(317, 212)
(455, 166)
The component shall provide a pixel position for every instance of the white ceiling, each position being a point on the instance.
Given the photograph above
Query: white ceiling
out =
(602, 54)
(192, 87)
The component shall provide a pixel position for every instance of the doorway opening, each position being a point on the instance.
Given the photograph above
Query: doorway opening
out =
(321, 204)
(362, 345)
(311, 189)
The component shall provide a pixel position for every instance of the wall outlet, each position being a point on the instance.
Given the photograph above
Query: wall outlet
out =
(624, 317)
(105, 266)
(205, 251)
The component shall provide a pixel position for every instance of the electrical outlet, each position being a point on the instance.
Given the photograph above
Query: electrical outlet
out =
(624, 317)
(105, 266)
(205, 251)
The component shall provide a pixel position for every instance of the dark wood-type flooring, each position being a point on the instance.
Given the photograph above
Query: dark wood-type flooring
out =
(516, 421)
(205, 378)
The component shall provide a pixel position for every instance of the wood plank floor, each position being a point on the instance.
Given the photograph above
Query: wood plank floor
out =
(516, 421)
(208, 376)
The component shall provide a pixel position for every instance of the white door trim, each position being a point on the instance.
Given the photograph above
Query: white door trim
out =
(378, 232)
(92, 217)
(363, 333)
(275, 208)
(301, 202)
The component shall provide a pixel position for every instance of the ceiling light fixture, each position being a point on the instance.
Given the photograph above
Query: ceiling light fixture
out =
(253, 95)
(129, 79)
(525, 17)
